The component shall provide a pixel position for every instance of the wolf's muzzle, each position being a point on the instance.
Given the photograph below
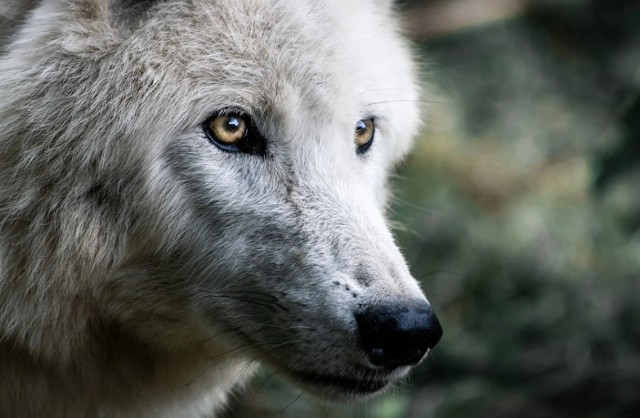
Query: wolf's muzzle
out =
(398, 335)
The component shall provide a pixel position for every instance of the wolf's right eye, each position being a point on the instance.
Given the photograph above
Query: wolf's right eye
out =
(233, 131)
(228, 129)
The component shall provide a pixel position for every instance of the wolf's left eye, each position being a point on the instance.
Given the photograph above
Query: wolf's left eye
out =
(365, 131)
(233, 131)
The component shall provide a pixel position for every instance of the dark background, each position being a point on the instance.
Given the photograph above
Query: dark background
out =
(520, 214)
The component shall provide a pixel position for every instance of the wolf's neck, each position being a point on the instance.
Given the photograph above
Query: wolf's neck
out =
(144, 384)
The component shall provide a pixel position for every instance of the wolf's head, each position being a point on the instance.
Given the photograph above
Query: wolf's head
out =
(210, 173)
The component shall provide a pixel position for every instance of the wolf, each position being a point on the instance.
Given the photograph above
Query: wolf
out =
(191, 188)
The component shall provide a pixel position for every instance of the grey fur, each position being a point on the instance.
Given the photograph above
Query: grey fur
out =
(143, 271)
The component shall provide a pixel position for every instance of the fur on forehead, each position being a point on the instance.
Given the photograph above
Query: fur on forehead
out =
(99, 26)
(132, 11)
(172, 66)
(209, 62)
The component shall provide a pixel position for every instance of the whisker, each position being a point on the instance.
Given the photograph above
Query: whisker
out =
(265, 304)
(244, 347)
(269, 299)
(453, 273)
(226, 331)
(262, 385)
(255, 292)
(291, 403)
(421, 209)
(260, 326)
(204, 371)
(271, 304)
(412, 101)
(384, 89)
(275, 346)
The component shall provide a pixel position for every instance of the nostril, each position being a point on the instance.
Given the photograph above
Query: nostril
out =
(398, 335)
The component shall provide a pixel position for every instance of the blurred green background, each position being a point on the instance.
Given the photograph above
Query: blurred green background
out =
(520, 213)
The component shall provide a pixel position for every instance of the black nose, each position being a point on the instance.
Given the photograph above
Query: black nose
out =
(398, 335)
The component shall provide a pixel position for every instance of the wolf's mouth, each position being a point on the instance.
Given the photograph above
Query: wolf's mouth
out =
(359, 387)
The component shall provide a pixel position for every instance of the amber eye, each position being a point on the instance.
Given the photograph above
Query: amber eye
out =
(232, 130)
(228, 129)
(365, 131)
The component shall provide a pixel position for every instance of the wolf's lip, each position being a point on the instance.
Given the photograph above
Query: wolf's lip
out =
(363, 386)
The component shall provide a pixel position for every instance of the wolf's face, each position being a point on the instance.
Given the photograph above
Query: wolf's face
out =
(250, 143)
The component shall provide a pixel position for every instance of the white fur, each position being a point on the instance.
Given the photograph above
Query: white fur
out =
(145, 272)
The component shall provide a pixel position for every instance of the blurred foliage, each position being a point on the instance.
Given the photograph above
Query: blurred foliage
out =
(520, 209)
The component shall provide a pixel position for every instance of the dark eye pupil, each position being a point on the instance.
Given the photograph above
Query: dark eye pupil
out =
(361, 126)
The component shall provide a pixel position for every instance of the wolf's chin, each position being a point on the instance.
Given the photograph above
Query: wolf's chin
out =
(341, 388)
(358, 386)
